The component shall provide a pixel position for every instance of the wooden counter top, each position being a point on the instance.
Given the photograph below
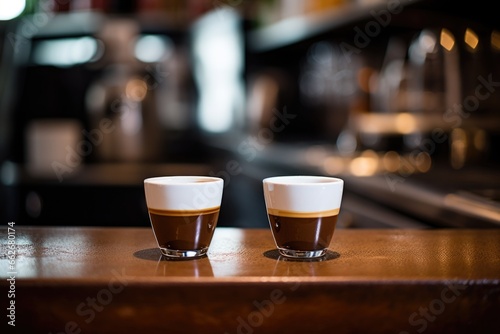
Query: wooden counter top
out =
(106, 280)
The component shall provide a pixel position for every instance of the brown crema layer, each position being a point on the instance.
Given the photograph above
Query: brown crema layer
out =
(184, 212)
(298, 214)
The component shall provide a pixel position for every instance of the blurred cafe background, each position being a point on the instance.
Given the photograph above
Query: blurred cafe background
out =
(399, 98)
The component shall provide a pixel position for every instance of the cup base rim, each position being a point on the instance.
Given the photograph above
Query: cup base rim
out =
(301, 254)
(184, 253)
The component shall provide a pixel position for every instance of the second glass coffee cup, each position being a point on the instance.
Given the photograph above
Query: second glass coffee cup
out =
(303, 212)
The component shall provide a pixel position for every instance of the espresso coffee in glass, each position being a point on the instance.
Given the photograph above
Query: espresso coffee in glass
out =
(303, 212)
(183, 211)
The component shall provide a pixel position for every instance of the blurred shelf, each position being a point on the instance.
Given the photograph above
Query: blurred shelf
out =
(423, 13)
(88, 23)
(296, 29)
(407, 123)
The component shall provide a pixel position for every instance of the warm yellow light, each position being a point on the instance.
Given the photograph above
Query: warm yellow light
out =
(447, 40)
(364, 165)
(495, 40)
(423, 162)
(405, 123)
(136, 90)
(458, 148)
(471, 38)
(391, 161)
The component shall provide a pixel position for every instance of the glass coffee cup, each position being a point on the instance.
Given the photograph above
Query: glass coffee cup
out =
(183, 211)
(302, 212)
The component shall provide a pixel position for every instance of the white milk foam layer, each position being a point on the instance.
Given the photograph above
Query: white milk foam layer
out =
(183, 192)
(301, 194)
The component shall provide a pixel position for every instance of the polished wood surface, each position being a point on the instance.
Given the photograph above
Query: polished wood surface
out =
(105, 280)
